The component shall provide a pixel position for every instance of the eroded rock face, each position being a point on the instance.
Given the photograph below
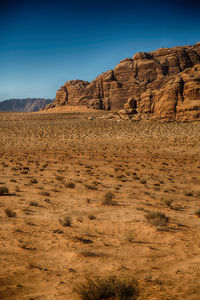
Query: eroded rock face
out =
(161, 84)
(179, 99)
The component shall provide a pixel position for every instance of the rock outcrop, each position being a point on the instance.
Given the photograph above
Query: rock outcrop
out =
(163, 84)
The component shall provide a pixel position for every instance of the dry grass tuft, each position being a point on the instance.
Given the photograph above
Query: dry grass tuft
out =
(157, 218)
(108, 288)
(10, 213)
(167, 202)
(108, 199)
(66, 221)
(70, 185)
(4, 190)
(33, 181)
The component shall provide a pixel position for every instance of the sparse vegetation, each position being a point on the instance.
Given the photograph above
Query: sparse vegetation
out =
(10, 213)
(97, 288)
(70, 185)
(17, 189)
(167, 202)
(91, 217)
(130, 236)
(13, 180)
(143, 181)
(88, 200)
(66, 221)
(59, 178)
(55, 190)
(189, 194)
(4, 190)
(95, 237)
(108, 199)
(91, 187)
(34, 203)
(157, 218)
(33, 181)
(44, 193)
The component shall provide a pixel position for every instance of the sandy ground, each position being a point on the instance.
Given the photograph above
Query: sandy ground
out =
(61, 165)
(67, 109)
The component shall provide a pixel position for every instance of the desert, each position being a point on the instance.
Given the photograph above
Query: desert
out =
(83, 193)
(99, 150)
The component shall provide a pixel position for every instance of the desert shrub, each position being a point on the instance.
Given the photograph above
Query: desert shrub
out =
(24, 172)
(108, 288)
(80, 219)
(167, 202)
(70, 185)
(26, 168)
(3, 190)
(66, 221)
(189, 194)
(91, 254)
(143, 181)
(10, 213)
(55, 190)
(13, 180)
(58, 231)
(135, 177)
(83, 240)
(197, 212)
(91, 217)
(91, 187)
(33, 203)
(120, 176)
(14, 169)
(130, 236)
(17, 189)
(59, 178)
(33, 181)
(47, 200)
(45, 194)
(157, 218)
(108, 199)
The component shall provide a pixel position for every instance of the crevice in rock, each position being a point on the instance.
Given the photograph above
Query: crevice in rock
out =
(165, 68)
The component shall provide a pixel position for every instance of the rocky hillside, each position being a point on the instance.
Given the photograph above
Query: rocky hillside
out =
(24, 105)
(163, 84)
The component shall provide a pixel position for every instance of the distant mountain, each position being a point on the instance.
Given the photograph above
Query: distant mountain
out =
(24, 105)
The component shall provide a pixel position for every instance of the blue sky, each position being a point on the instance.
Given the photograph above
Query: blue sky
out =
(43, 44)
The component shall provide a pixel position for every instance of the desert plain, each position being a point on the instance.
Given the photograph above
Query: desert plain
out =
(82, 189)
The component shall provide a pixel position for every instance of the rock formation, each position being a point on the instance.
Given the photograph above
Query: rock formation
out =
(163, 84)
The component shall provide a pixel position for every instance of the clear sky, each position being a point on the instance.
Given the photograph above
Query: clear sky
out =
(43, 44)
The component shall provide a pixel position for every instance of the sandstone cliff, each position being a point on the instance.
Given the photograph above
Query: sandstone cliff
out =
(163, 84)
